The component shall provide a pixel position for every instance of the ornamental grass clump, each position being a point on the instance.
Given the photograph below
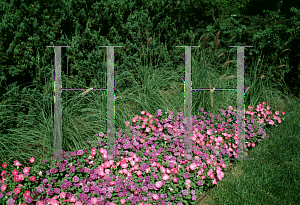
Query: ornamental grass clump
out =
(150, 166)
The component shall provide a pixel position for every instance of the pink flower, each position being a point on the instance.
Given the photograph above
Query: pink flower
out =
(193, 166)
(32, 159)
(14, 172)
(158, 184)
(168, 171)
(209, 161)
(188, 183)
(200, 171)
(175, 180)
(53, 201)
(124, 165)
(19, 178)
(209, 132)
(176, 171)
(215, 181)
(17, 190)
(155, 196)
(26, 170)
(139, 173)
(32, 178)
(209, 172)
(3, 187)
(93, 151)
(220, 175)
(102, 151)
(62, 195)
(17, 163)
(107, 165)
(26, 194)
(166, 177)
(94, 200)
(132, 163)
(125, 171)
(163, 170)
(72, 199)
(107, 171)
(122, 201)
(101, 173)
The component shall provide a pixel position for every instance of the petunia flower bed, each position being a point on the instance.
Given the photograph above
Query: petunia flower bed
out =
(150, 166)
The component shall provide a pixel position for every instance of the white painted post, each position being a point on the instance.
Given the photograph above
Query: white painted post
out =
(57, 104)
(110, 102)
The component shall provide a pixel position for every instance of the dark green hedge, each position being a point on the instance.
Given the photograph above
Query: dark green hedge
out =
(26, 29)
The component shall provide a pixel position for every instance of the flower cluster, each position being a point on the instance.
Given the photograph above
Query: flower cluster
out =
(153, 166)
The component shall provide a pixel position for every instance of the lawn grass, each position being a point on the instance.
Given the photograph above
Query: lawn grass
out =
(273, 177)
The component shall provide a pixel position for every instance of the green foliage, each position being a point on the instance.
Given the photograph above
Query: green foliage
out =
(287, 6)
(230, 6)
(27, 27)
(273, 36)
(84, 25)
(257, 7)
